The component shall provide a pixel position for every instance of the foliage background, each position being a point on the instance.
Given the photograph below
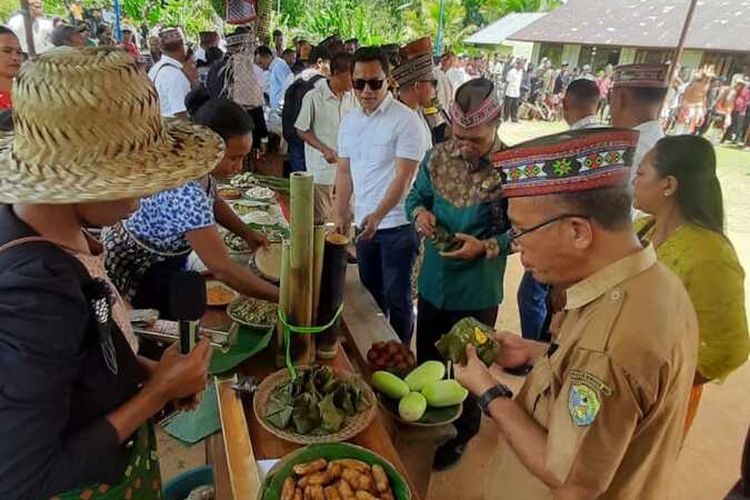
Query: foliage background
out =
(372, 21)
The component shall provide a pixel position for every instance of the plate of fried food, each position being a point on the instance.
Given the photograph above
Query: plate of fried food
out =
(334, 471)
(219, 294)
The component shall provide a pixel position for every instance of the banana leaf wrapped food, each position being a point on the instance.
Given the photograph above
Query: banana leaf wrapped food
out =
(452, 346)
(444, 240)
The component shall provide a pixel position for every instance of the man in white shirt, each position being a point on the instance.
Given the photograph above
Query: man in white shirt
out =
(40, 26)
(638, 93)
(279, 78)
(377, 162)
(513, 79)
(456, 74)
(444, 86)
(580, 105)
(318, 123)
(170, 80)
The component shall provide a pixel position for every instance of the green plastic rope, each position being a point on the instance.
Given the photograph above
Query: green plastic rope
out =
(289, 329)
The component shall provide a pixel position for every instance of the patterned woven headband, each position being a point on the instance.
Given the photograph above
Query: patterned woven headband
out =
(414, 69)
(170, 35)
(486, 113)
(571, 161)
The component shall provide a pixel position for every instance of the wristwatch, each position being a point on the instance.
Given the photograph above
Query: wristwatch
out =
(494, 392)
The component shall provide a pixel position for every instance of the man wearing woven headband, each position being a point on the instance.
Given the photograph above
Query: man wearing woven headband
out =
(377, 161)
(169, 76)
(602, 413)
(76, 401)
(638, 92)
(456, 205)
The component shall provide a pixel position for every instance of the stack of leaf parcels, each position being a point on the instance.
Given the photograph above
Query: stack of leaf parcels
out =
(316, 403)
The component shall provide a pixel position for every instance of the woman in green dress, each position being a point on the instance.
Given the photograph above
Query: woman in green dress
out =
(677, 185)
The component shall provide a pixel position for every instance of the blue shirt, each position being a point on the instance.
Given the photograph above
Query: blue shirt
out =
(281, 76)
(164, 218)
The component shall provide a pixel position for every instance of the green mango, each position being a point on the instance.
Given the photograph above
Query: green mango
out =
(412, 407)
(426, 373)
(389, 384)
(444, 393)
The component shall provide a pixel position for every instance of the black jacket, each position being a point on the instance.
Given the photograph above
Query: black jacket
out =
(55, 388)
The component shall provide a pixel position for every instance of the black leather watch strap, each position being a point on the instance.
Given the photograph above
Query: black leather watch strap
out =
(497, 391)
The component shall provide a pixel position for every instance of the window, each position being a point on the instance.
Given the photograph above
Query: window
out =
(552, 51)
(598, 57)
(647, 56)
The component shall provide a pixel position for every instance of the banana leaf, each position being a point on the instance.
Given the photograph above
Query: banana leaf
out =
(452, 346)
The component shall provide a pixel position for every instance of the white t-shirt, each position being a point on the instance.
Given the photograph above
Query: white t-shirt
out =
(372, 143)
(322, 113)
(171, 84)
(42, 29)
(514, 79)
(651, 132)
(458, 77)
(444, 88)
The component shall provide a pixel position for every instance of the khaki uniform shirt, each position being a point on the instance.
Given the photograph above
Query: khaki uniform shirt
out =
(613, 395)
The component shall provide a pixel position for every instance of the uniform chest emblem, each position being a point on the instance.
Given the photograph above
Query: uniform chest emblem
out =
(583, 404)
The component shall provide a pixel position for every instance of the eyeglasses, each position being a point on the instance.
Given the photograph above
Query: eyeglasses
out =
(514, 234)
(375, 84)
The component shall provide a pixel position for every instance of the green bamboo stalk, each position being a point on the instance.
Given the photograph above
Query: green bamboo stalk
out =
(319, 243)
(283, 302)
(301, 265)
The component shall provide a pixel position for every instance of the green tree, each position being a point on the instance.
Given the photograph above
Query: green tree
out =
(493, 10)
(424, 21)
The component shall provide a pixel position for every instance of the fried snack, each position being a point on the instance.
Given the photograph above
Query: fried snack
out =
(310, 467)
(381, 479)
(387, 495)
(321, 477)
(358, 480)
(364, 495)
(351, 463)
(298, 494)
(287, 492)
(346, 491)
(314, 493)
(332, 492)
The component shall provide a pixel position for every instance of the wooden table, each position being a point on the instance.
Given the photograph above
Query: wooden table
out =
(267, 446)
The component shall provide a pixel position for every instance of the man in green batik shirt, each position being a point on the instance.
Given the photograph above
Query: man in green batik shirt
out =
(458, 191)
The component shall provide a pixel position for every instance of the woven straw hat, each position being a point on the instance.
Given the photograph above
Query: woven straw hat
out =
(87, 127)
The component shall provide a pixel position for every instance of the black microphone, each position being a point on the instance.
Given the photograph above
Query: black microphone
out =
(187, 300)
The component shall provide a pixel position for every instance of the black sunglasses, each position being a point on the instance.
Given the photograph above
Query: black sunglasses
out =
(514, 234)
(375, 84)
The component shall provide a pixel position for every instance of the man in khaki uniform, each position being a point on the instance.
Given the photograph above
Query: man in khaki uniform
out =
(602, 413)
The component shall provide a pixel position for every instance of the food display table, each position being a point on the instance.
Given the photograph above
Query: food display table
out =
(409, 449)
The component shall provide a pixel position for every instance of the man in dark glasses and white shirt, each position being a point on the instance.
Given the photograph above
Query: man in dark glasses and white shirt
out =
(379, 148)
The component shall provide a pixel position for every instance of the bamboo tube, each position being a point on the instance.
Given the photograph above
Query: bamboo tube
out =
(301, 265)
(319, 241)
(331, 294)
(283, 302)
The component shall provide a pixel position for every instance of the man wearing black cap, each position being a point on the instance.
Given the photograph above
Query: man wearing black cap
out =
(602, 413)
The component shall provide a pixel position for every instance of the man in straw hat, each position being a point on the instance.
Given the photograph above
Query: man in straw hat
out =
(638, 93)
(169, 76)
(602, 413)
(77, 407)
(457, 192)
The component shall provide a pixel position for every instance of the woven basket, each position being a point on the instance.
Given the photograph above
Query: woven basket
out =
(353, 426)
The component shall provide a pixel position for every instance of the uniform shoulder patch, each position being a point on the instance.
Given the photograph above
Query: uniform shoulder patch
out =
(583, 404)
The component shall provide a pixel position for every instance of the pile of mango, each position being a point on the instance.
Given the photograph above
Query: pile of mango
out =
(424, 386)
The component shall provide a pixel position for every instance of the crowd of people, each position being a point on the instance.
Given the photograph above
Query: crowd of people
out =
(407, 160)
